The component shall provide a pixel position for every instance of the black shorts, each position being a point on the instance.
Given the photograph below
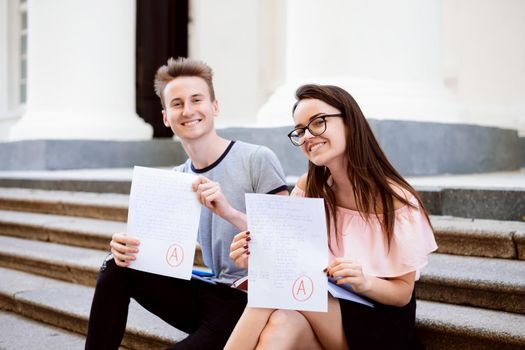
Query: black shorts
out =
(381, 327)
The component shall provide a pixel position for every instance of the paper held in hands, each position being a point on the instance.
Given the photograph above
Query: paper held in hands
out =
(345, 292)
(164, 216)
(288, 252)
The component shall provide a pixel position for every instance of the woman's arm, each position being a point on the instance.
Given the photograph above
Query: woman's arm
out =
(396, 291)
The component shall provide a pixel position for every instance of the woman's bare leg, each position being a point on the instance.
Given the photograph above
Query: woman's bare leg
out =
(246, 333)
(328, 326)
(288, 329)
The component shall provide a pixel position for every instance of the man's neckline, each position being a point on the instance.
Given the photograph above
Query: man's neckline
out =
(214, 164)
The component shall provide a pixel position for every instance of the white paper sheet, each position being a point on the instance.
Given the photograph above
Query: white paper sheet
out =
(288, 252)
(164, 215)
(346, 292)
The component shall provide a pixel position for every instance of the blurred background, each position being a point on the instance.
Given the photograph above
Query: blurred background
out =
(448, 75)
(441, 82)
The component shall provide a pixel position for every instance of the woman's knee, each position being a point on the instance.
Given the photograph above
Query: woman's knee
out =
(287, 319)
(282, 326)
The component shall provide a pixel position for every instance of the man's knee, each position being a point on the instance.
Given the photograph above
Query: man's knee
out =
(111, 278)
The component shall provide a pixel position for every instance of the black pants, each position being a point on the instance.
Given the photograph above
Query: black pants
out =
(207, 312)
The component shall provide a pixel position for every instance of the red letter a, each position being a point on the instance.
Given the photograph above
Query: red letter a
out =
(301, 287)
(174, 254)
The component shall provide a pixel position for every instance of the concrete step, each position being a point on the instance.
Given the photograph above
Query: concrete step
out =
(108, 206)
(99, 180)
(66, 305)
(497, 196)
(487, 283)
(480, 237)
(68, 230)
(476, 237)
(72, 264)
(454, 327)
(475, 202)
(22, 333)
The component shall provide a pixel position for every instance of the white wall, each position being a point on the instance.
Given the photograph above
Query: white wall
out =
(485, 59)
(243, 41)
(433, 60)
(386, 54)
(479, 54)
(387, 40)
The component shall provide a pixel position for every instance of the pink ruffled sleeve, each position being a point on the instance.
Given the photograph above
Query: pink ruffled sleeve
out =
(411, 243)
(364, 240)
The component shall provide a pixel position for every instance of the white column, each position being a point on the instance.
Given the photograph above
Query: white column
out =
(243, 42)
(4, 45)
(9, 111)
(81, 71)
(387, 54)
(485, 59)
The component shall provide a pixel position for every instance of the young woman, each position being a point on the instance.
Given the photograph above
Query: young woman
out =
(379, 236)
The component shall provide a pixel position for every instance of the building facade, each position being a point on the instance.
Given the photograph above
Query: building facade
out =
(76, 70)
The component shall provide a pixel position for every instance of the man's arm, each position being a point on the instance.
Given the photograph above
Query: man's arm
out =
(210, 195)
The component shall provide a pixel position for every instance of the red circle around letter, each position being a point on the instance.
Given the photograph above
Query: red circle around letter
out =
(302, 288)
(174, 255)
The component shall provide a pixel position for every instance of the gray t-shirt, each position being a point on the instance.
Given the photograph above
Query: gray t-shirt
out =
(242, 168)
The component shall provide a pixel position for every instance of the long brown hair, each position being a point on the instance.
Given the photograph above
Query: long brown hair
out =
(368, 169)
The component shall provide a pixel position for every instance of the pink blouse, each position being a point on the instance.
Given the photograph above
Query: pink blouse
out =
(366, 242)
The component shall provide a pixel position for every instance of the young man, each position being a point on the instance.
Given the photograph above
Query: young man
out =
(228, 170)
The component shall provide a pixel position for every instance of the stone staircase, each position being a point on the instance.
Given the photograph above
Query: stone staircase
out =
(52, 242)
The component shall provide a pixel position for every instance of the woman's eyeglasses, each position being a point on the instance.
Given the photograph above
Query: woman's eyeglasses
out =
(316, 127)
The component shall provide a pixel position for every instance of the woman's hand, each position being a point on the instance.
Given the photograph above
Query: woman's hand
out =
(239, 250)
(347, 270)
(395, 291)
(123, 248)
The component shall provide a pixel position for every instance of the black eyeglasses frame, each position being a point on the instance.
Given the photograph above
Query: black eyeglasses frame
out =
(307, 127)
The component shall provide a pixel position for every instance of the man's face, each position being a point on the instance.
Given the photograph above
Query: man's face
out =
(189, 111)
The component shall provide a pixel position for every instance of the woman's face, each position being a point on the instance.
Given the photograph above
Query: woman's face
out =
(328, 147)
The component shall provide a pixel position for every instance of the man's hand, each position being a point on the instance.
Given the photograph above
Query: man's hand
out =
(210, 195)
(123, 249)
